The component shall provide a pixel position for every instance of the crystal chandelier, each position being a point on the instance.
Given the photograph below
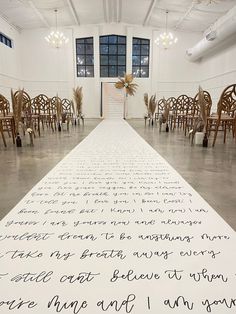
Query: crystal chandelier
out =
(56, 39)
(166, 39)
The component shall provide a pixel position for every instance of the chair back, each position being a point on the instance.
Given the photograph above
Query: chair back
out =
(4, 106)
(53, 103)
(160, 106)
(227, 102)
(66, 106)
(41, 103)
(172, 103)
(183, 103)
(26, 101)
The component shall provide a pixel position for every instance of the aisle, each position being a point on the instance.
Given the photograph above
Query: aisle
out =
(113, 228)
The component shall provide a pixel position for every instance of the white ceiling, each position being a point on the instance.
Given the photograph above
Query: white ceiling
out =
(184, 15)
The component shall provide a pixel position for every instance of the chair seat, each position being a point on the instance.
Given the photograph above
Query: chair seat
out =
(224, 117)
(5, 118)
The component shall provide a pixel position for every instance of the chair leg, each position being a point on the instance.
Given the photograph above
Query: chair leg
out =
(3, 137)
(215, 135)
(13, 131)
(225, 129)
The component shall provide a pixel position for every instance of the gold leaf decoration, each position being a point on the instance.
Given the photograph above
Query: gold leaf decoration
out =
(126, 82)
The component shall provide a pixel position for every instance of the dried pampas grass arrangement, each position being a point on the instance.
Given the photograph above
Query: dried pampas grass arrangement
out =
(164, 118)
(150, 105)
(166, 111)
(78, 96)
(17, 106)
(126, 82)
(73, 107)
(200, 123)
(58, 105)
(145, 98)
(203, 109)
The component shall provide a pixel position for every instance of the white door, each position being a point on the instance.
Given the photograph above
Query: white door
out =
(112, 101)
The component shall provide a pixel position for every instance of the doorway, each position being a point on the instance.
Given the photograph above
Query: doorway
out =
(112, 101)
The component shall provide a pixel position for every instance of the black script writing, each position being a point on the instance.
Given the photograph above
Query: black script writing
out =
(204, 274)
(126, 304)
(17, 304)
(35, 277)
(104, 254)
(132, 276)
(228, 303)
(180, 301)
(76, 306)
(80, 278)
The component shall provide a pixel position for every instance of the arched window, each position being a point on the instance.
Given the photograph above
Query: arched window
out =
(112, 56)
(84, 57)
(140, 57)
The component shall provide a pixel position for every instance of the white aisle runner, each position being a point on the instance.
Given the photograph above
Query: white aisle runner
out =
(114, 229)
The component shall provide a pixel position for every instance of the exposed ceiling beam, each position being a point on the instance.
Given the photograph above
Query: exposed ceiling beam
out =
(110, 6)
(17, 28)
(38, 13)
(189, 10)
(73, 11)
(119, 10)
(149, 12)
(105, 11)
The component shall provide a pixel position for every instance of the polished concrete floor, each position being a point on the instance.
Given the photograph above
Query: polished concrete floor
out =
(211, 171)
(21, 168)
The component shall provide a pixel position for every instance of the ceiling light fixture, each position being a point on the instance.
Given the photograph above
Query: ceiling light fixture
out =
(166, 39)
(56, 39)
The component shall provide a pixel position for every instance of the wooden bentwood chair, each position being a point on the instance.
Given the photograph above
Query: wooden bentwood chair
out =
(6, 120)
(225, 118)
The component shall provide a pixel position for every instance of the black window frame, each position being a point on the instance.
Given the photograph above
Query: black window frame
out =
(139, 44)
(84, 41)
(5, 40)
(117, 43)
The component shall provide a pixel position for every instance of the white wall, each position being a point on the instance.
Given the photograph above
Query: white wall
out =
(176, 75)
(45, 69)
(10, 64)
(50, 71)
(38, 68)
(218, 71)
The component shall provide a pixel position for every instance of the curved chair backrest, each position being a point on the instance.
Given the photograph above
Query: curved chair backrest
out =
(227, 102)
(4, 105)
(172, 103)
(41, 102)
(26, 99)
(160, 105)
(182, 104)
(66, 105)
(53, 104)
